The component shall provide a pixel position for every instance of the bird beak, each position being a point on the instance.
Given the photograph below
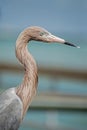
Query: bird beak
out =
(52, 38)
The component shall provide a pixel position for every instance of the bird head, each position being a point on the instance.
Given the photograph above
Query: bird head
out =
(41, 34)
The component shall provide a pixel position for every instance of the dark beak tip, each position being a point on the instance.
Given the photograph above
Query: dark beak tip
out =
(70, 44)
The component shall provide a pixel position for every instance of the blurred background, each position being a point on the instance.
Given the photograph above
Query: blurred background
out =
(61, 100)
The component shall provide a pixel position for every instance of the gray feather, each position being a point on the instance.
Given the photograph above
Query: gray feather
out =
(10, 110)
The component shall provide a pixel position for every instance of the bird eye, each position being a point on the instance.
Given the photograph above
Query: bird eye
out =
(42, 33)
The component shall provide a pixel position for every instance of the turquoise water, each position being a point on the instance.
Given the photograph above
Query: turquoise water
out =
(37, 120)
(53, 55)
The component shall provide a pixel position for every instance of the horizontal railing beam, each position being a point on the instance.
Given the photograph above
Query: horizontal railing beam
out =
(58, 101)
(51, 72)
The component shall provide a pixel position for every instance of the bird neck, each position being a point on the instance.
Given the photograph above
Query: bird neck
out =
(27, 89)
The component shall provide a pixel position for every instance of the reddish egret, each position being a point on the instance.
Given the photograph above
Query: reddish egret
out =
(14, 102)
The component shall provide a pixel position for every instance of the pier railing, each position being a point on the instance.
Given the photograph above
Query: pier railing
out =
(54, 100)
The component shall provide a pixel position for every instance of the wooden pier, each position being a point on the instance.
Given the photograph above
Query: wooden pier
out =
(54, 100)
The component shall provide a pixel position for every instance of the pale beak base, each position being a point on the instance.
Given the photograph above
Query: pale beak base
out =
(56, 39)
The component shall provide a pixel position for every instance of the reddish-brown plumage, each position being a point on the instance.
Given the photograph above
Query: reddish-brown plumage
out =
(27, 89)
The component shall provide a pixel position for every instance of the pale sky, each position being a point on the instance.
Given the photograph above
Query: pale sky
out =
(51, 14)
